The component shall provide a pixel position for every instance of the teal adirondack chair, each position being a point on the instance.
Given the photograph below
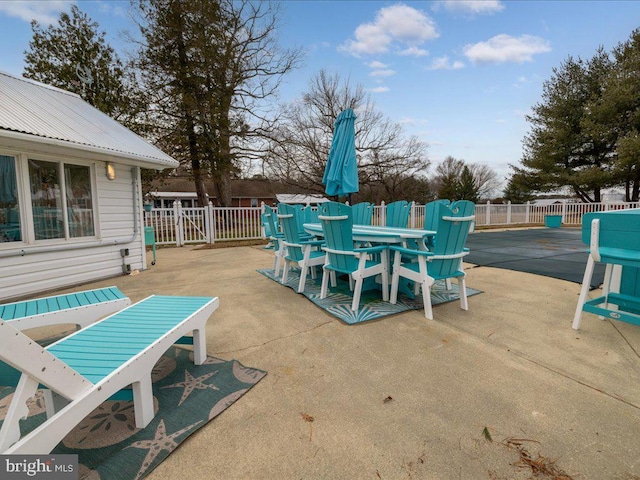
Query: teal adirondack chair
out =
(304, 253)
(397, 214)
(442, 263)
(431, 210)
(343, 258)
(362, 213)
(310, 214)
(276, 237)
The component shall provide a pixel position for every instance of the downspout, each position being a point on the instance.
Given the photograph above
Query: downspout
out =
(80, 246)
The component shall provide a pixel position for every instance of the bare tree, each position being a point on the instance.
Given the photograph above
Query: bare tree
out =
(210, 68)
(298, 151)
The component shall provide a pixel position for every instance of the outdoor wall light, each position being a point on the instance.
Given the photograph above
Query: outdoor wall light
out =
(110, 171)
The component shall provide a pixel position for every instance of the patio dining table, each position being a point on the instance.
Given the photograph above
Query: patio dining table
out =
(386, 235)
(374, 234)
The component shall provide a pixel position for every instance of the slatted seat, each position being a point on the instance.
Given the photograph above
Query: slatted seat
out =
(79, 308)
(87, 367)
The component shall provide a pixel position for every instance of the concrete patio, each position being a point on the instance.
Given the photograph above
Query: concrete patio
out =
(404, 397)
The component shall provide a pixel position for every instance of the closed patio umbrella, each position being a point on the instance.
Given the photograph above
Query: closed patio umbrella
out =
(341, 173)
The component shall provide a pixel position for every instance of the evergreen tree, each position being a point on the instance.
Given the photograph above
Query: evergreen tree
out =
(467, 188)
(75, 56)
(561, 150)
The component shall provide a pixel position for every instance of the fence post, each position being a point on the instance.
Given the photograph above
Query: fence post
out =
(207, 222)
(412, 215)
(383, 213)
(487, 214)
(262, 230)
(214, 225)
(526, 213)
(509, 212)
(177, 214)
(564, 212)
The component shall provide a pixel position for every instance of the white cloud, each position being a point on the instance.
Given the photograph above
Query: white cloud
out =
(443, 63)
(413, 52)
(45, 13)
(379, 89)
(472, 7)
(398, 27)
(377, 64)
(505, 48)
(382, 73)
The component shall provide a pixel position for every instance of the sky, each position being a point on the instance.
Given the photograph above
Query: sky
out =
(459, 74)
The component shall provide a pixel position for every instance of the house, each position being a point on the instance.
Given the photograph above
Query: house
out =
(70, 190)
(244, 193)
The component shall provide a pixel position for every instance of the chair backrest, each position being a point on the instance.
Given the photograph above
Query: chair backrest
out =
(337, 226)
(431, 211)
(272, 220)
(362, 213)
(310, 214)
(463, 208)
(288, 215)
(264, 218)
(397, 214)
(451, 236)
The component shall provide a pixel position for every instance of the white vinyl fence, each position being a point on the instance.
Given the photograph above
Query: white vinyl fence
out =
(180, 226)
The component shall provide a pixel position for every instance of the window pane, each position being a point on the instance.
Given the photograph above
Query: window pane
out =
(46, 200)
(9, 211)
(79, 204)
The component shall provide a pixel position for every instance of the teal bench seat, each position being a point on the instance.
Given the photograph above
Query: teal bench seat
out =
(87, 367)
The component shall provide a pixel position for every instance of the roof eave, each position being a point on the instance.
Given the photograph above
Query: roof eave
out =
(137, 160)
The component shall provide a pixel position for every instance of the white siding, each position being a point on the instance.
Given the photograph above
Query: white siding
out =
(38, 272)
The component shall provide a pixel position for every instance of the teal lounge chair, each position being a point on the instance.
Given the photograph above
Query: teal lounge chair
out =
(343, 258)
(78, 308)
(85, 368)
(442, 263)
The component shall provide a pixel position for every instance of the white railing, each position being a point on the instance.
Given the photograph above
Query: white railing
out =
(180, 225)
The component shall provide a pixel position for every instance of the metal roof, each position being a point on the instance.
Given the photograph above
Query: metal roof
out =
(300, 198)
(33, 108)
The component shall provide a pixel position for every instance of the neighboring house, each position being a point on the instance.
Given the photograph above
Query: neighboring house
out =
(244, 193)
(70, 190)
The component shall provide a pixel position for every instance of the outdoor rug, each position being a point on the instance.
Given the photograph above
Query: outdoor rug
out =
(372, 307)
(186, 396)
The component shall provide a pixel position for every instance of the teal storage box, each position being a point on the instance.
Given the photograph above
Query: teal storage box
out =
(553, 221)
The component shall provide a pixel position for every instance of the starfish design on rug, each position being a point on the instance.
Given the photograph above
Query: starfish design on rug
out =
(160, 442)
(192, 383)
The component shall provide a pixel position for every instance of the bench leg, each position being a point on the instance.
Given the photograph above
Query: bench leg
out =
(10, 431)
(586, 283)
(53, 402)
(143, 401)
(199, 346)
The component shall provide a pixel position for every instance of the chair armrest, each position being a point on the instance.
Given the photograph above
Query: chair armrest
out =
(376, 249)
(411, 251)
(312, 242)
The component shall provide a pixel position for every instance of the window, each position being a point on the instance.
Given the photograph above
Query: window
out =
(9, 212)
(79, 201)
(52, 203)
(254, 202)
